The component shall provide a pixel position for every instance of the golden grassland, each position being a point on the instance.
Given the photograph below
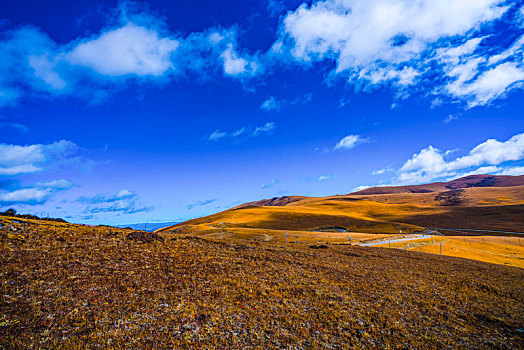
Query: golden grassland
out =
(474, 208)
(492, 249)
(75, 287)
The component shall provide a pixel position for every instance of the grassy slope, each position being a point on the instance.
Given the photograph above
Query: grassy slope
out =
(68, 286)
(482, 208)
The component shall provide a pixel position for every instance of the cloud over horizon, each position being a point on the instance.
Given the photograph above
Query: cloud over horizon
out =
(489, 157)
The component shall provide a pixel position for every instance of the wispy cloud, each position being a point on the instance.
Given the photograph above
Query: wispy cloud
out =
(325, 177)
(274, 104)
(200, 203)
(450, 118)
(15, 126)
(264, 129)
(272, 183)
(245, 132)
(271, 104)
(349, 142)
(123, 202)
(121, 195)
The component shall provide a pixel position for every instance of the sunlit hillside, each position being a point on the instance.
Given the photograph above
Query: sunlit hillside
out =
(489, 208)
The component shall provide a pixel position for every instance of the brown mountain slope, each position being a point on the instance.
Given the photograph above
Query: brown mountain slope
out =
(273, 202)
(464, 182)
(474, 207)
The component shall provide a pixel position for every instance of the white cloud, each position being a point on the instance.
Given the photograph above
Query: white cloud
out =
(245, 131)
(235, 65)
(18, 159)
(37, 194)
(402, 43)
(450, 118)
(26, 196)
(325, 177)
(130, 49)
(491, 152)
(138, 47)
(518, 170)
(349, 142)
(271, 104)
(270, 184)
(492, 84)
(360, 188)
(266, 128)
(123, 202)
(407, 45)
(274, 104)
(487, 157)
(514, 49)
(217, 135)
(358, 34)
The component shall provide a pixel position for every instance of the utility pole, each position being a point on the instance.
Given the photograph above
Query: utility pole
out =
(440, 248)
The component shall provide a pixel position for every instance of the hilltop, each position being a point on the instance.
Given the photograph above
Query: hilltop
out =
(461, 183)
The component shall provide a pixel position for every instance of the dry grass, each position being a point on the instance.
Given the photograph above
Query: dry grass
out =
(491, 249)
(76, 287)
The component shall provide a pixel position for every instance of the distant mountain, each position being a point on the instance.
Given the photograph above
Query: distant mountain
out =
(148, 226)
(461, 183)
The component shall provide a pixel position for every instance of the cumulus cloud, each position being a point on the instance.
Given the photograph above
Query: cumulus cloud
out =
(431, 163)
(349, 142)
(130, 49)
(246, 131)
(37, 194)
(20, 159)
(137, 47)
(408, 44)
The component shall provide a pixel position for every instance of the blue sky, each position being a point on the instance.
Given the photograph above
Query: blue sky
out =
(120, 112)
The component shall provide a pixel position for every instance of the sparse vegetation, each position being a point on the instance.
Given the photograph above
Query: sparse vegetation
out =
(73, 287)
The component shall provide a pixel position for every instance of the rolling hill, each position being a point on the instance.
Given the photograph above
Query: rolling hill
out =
(461, 183)
(475, 202)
